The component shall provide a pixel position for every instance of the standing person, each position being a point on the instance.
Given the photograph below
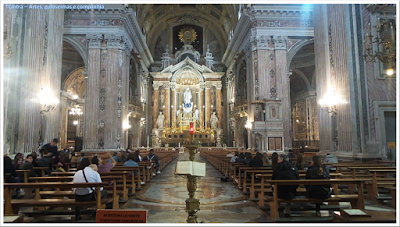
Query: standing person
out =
(318, 171)
(154, 159)
(285, 171)
(46, 161)
(52, 147)
(85, 174)
(28, 166)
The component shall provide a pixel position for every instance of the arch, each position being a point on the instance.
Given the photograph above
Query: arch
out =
(295, 48)
(301, 74)
(74, 77)
(78, 47)
(183, 70)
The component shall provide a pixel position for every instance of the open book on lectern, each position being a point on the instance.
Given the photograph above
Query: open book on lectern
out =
(197, 169)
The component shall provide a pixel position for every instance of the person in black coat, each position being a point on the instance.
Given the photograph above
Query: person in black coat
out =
(53, 149)
(46, 161)
(317, 171)
(257, 160)
(284, 170)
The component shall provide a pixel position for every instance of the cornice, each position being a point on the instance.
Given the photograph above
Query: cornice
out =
(242, 33)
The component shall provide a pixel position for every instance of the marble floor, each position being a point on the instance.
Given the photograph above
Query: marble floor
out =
(220, 202)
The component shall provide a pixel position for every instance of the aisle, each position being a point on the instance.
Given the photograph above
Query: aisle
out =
(220, 202)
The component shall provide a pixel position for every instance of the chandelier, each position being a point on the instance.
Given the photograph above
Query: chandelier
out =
(385, 40)
(76, 110)
(329, 102)
(47, 100)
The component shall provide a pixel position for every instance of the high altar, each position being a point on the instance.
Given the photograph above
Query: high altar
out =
(187, 92)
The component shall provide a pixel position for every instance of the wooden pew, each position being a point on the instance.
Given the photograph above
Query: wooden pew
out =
(380, 182)
(69, 193)
(356, 200)
(11, 206)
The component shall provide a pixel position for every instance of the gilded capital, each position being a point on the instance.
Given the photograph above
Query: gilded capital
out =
(156, 85)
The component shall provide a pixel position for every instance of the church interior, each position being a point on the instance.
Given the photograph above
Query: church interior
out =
(312, 79)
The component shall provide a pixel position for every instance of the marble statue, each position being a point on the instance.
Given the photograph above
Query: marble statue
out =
(187, 97)
(196, 115)
(214, 121)
(160, 121)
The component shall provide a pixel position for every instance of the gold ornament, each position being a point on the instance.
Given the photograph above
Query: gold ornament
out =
(187, 35)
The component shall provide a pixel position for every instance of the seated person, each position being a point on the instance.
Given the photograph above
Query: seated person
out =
(46, 161)
(257, 160)
(28, 166)
(131, 161)
(114, 156)
(284, 170)
(154, 159)
(137, 152)
(103, 165)
(317, 171)
(85, 174)
(122, 156)
(229, 155)
(266, 161)
(301, 163)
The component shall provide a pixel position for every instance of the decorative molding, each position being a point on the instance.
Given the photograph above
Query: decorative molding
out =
(187, 19)
(120, 61)
(46, 33)
(218, 85)
(102, 99)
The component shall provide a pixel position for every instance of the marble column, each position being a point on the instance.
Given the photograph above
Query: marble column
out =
(90, 140)
(208, 104)
(53, 65)
(64, 121)
(155, 104)
(201, 104)
(282, 86)
(219, 104)
(173, 104)
(167, 106)
(114, 102)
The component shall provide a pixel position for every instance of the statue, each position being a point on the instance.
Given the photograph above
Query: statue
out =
(196, 115)
(162, 98)
(187, 97)
(179, 115)
(160, 121)
(214, 121)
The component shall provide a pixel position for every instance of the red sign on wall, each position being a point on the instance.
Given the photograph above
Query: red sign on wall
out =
(121, 216)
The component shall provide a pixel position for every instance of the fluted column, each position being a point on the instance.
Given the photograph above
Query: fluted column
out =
(64, 121)
(208, 104)
(173, 104)
(219, 104)
(92, 92)
(155, 106)
(167, 106)
(201, 104)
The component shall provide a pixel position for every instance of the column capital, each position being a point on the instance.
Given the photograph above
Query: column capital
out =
(218, 85)
(94, 40)
(202, 86)
(260, 42)
(114, 41)
(166, 86)
(280, 42)
(172, 86)
(156, 85)
(209, 85)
